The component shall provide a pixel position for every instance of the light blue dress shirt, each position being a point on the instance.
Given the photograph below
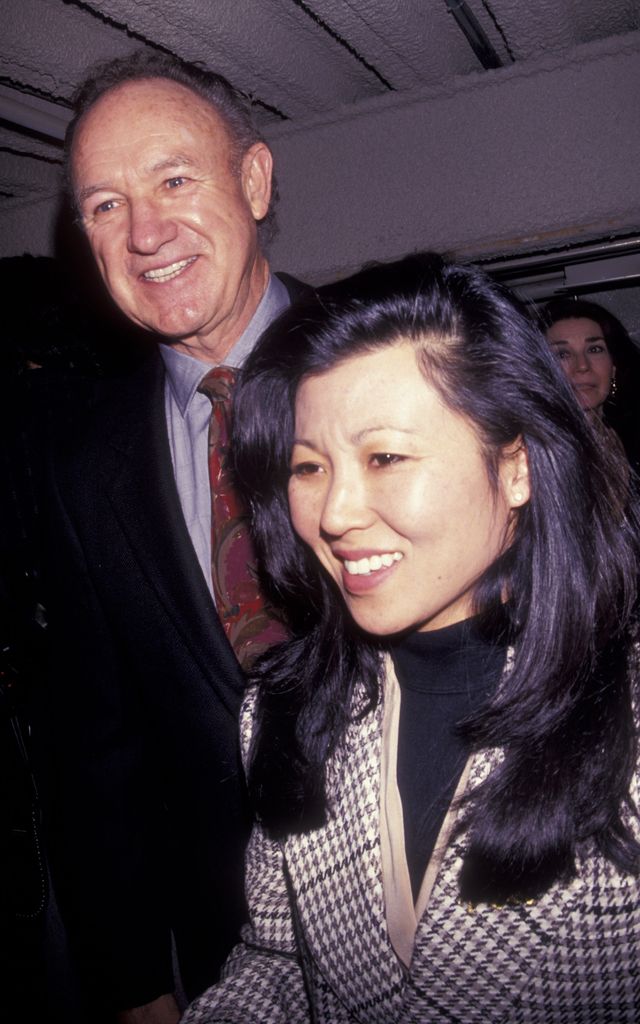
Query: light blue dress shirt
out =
(188, 413)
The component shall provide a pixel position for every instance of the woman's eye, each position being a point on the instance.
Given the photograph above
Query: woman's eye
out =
(305, 469)
(596, 349)
(382, 459)
(562, 353)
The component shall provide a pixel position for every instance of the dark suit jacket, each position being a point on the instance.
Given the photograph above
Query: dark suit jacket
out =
(136, 723)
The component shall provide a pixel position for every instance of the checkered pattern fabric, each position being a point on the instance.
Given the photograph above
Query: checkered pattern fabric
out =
(572, 957)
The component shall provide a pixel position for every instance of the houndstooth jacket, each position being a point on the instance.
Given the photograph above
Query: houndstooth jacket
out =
(572, 957)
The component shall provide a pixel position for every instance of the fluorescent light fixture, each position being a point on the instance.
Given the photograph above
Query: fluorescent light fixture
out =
(26, 111)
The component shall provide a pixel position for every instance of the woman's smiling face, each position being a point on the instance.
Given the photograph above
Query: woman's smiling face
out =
(390, 489)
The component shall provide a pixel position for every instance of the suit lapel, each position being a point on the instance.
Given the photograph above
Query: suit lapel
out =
(137, 477)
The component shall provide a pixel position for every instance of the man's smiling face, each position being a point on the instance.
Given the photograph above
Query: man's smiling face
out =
(170, 212)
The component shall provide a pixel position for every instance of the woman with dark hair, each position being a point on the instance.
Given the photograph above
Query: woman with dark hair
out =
(602, 364)
(442, 759)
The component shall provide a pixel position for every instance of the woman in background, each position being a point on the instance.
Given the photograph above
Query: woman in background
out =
(602, 364)
(443, 759)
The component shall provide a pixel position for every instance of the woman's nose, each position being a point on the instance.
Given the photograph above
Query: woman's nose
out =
(581, 364)
(345, 507)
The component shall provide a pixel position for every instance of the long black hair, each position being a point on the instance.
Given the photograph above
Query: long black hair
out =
(562, 715)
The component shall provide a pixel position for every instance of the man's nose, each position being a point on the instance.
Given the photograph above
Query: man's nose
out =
(149, 227)
(346, 507)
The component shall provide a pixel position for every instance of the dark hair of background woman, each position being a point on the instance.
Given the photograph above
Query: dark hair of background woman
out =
(619, 410)
(562, 715)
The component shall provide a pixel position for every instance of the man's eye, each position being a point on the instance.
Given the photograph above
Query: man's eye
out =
(175, 182)
(382, 459)
(106, 206)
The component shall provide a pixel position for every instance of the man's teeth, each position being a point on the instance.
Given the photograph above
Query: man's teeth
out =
(364, 566)
(164, 273)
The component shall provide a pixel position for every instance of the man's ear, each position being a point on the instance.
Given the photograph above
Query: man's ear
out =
(514, 474)
(257, 167)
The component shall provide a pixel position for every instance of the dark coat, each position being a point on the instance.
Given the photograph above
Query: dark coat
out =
(135, 726)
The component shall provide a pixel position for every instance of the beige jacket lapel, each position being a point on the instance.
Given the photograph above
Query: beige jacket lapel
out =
(464, 965)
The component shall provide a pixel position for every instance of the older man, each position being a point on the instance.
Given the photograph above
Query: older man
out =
(137, 727)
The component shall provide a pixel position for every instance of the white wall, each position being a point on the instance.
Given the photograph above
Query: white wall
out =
(538, 154)
(533, 155)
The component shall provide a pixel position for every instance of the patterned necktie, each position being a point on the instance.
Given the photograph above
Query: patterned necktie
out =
(247, 620)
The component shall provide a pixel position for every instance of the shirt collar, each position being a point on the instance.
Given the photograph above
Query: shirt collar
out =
(184, 372)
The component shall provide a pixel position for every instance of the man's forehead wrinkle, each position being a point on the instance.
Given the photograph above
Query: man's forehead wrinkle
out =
(167, 163)
(171, 162)
(182, 119)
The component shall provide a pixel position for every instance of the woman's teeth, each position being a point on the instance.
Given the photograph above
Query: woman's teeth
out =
(364, 566)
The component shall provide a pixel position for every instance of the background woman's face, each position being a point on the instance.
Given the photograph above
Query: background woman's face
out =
(579, 344)
(390, 489)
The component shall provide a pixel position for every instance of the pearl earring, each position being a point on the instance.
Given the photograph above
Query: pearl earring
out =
(517, 496)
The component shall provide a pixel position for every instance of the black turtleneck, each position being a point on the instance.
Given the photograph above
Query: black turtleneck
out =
(444, 675)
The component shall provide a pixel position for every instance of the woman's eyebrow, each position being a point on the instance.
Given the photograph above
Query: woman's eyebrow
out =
(361, 435)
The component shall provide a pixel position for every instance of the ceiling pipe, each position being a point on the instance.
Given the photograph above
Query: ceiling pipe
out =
(580, 252)
(475, 34)
(588, 266)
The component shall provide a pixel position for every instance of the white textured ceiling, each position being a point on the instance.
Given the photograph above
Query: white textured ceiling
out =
(299, 60)
(296, 58)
